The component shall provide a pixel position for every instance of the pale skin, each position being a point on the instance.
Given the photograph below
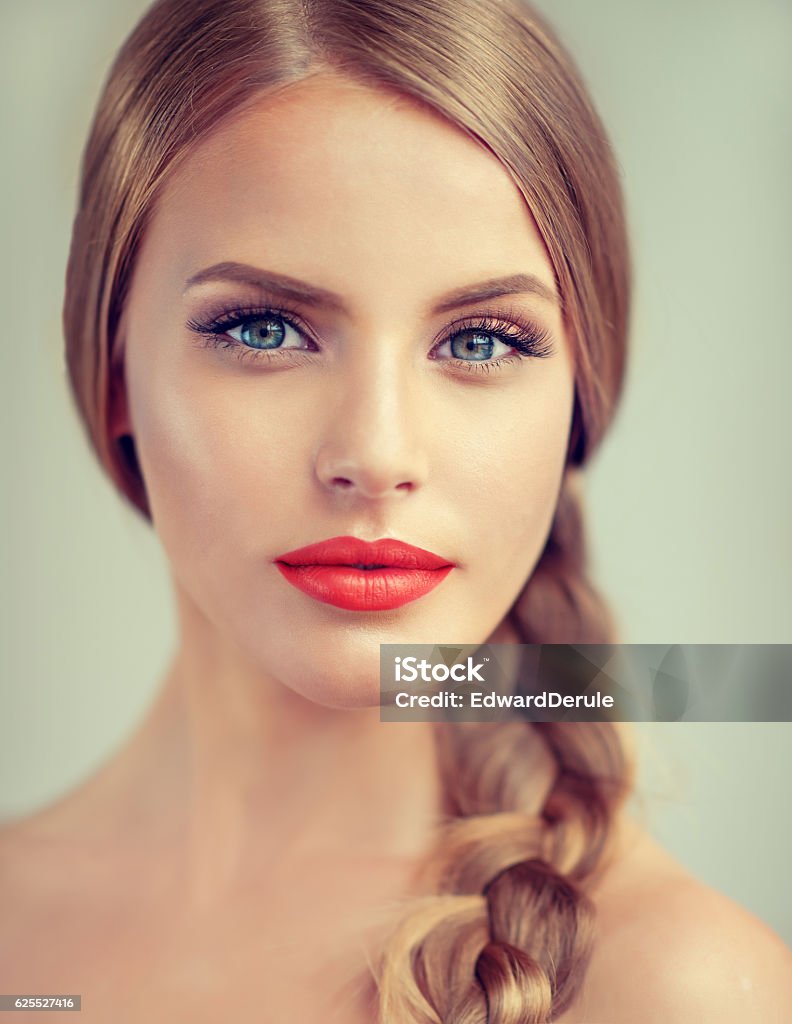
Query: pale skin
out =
(245, 839)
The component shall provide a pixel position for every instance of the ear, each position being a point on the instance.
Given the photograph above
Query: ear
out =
(119, 421)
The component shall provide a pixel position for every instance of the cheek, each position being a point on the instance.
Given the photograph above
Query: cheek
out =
(215, 467)
(512, 497)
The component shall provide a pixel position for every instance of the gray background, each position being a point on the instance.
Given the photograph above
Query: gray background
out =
(689, 501)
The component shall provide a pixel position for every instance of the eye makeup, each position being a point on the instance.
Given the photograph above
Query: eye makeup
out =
(519, 337)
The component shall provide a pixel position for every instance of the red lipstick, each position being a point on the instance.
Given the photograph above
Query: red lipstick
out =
(363, 576)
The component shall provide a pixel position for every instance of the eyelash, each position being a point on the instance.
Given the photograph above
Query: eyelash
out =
(530, 340)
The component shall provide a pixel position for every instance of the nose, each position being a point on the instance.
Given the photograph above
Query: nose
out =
(373, 445)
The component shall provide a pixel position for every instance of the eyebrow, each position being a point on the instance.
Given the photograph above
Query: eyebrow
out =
(310, 295)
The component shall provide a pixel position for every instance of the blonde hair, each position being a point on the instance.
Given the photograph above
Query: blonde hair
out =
(504, 932)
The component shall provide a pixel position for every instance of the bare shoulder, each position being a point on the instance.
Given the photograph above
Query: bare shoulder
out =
(36, 870)
(27, 876)
(36, 855)
(671, 948)
(57, 890)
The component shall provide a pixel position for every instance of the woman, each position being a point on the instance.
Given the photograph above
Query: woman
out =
(344, 274)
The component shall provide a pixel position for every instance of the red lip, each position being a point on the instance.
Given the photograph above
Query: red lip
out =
(330, 571)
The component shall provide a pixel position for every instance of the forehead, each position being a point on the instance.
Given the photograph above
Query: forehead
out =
(349, 186)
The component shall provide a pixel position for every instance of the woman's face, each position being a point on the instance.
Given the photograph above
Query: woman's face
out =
(328, 378)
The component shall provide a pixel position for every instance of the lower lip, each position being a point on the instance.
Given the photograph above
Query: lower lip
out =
(363, 590)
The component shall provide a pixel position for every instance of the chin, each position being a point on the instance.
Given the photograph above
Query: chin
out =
(356, 690)
(336, 675)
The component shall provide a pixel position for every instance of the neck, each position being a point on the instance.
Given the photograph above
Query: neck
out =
(238, 777)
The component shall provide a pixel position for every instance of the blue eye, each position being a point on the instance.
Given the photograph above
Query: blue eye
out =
(474, 345)
(480, 345)
(265, 332)
(486, 344)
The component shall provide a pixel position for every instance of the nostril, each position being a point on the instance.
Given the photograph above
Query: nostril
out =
(342, 481)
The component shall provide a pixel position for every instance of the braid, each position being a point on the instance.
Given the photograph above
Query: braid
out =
(505, 932)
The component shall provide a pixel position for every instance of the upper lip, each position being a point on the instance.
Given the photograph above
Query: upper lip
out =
(353, 551)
